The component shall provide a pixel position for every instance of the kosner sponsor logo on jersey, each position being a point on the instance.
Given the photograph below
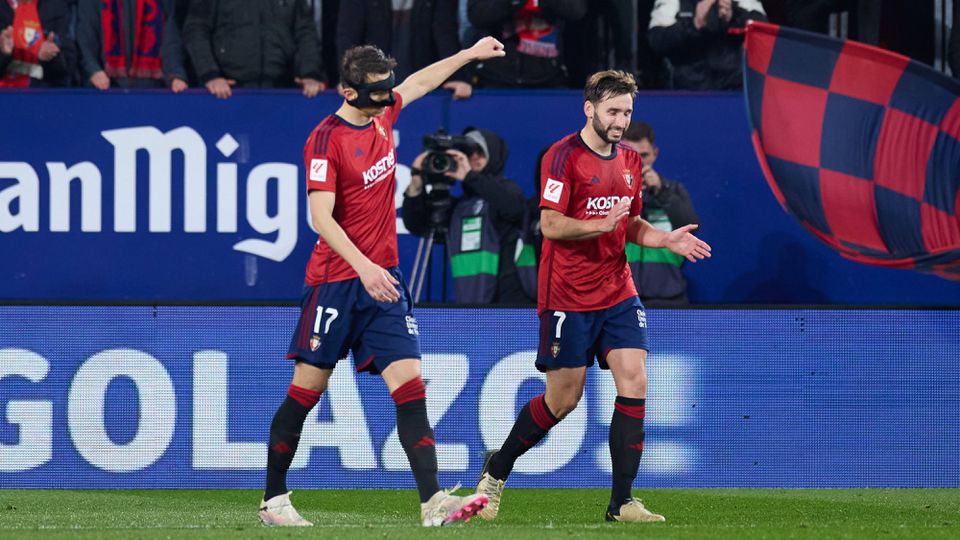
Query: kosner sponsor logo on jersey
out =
(379, 170)
(263, 181)
(602, 205)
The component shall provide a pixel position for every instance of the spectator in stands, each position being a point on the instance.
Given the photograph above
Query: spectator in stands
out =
(467, 33)
(953, 49)
(651, 69)
(530, 30)
(658, 273)
(416, 33)
(813, 15)
(254, 44)
(130, 44)
(609, 25)
(325, 19)
(484, 224)
(35, 49)
(693, 35)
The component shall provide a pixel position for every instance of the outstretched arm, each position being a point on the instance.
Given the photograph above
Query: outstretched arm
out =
(417, 85)
(679, 241)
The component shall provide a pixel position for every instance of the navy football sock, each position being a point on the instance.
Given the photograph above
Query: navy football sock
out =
(416, 435)
(532, 425)
(626, 447)
(285, 436)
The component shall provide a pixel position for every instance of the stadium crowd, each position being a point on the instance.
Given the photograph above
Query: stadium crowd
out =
(226, 44)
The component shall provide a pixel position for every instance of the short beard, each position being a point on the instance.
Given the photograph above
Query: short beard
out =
(603, 133)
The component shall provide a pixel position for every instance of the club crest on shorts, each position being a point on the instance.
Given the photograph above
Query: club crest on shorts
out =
(628, 177)
(314, 343)
(555, 348)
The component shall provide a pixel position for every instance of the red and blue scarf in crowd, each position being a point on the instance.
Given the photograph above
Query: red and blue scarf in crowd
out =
(27, 38)
(145, 62)
(537, 36)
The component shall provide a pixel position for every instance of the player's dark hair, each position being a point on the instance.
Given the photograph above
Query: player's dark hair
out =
(607, 84)
(361, 61)
(638, 131)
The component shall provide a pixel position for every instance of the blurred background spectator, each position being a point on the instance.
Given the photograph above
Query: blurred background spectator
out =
(693, 36)
(130, 44)
(953, 50)
(810, 15)
(220, 44)
(658, 273)
(254, 44)
(416, 33)
(918, 29)
(484, 224)
(35, 45)
(604, 38)
(531, 31)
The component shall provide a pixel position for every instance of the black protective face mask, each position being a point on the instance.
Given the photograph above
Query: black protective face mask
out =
(365, 89)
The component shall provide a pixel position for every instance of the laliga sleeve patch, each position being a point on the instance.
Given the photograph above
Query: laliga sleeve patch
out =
(318, 170)
(553, 190)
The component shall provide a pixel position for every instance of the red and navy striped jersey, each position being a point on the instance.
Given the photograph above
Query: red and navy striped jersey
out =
(587, 275)
(358, 163)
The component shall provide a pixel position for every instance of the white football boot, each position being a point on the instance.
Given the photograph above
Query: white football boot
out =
(445, 508)
(279, 512)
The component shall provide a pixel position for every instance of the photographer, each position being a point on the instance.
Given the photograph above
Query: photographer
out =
(657, 272)
(480, 228)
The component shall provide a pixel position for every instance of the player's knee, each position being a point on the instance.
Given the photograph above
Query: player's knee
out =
(565, 403)
(312, 385)
(633, 384)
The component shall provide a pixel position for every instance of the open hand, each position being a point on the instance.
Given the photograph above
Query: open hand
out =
(99, 80)
(311, 87)
(687, 245)
(461, 90)
(220, 87)
(6, 41)
(380, 285)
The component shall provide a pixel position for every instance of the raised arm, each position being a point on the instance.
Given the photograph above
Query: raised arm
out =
(378, 282)
(420, 83)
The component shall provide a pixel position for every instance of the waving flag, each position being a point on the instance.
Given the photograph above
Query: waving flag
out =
(860, 144)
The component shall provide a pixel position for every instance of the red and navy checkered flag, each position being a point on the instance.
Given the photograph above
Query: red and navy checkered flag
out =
(860, 144)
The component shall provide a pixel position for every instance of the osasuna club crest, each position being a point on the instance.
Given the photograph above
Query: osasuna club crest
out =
(628, 177)
(314, 343)
(555, 348)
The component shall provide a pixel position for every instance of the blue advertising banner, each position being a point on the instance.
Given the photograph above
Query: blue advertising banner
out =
(148, 196)
(182, 397)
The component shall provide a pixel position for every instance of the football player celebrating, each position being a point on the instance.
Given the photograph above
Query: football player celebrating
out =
(587, 302)
(354, 296)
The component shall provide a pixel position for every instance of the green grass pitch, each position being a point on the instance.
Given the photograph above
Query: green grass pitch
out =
(525, 513)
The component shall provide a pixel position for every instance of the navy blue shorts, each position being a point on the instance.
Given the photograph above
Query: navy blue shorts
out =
(577, 338)
(338, 317)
